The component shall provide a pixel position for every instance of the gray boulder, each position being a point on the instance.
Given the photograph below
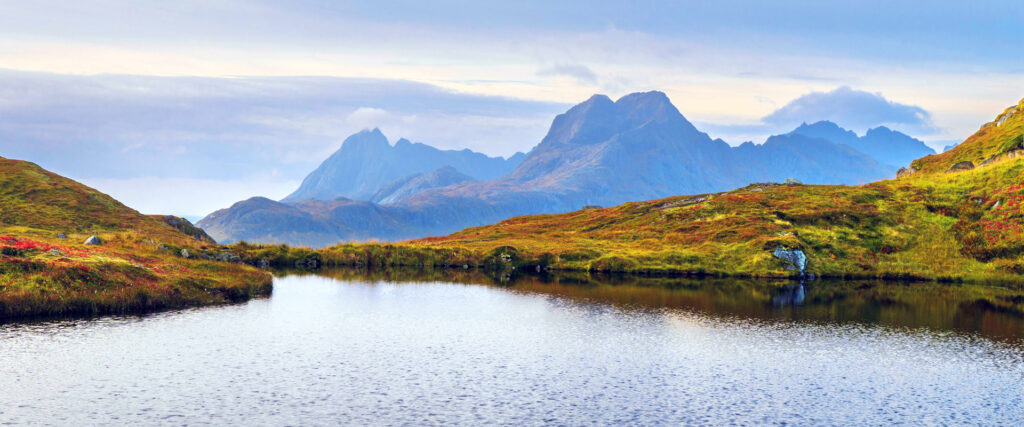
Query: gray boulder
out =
(795, 257)
(61, 236)
(909, 170)
(93, 240)
(961, 166)
(185, 254)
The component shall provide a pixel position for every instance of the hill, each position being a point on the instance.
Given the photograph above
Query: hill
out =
(46, 267)
(600, 152)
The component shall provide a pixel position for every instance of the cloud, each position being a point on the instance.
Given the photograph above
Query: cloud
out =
(124, 127)
(581, 73)
(368, 117)
(853, 109)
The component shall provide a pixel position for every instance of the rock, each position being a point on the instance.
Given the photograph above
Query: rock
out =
(55, 252)
(795, 257)
(229, 257)
(61, 236)
(791, 181)
(185, 254)
(93, 240)
(961, 166)
(263, 263)
(587, 207)
(909, 170)
(1006, 116)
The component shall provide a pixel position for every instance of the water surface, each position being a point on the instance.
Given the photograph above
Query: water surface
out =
(401, 348)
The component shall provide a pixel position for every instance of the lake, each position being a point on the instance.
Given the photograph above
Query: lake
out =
(465, 347)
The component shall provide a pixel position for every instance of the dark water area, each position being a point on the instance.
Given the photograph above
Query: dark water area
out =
(403, 347)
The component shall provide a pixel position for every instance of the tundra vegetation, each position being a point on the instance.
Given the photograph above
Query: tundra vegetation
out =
(47, 269)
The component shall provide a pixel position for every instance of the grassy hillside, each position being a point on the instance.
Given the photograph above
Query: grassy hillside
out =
(932, 224)
(46, 269)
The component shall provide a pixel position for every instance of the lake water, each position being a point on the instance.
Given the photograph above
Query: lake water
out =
(404, 348)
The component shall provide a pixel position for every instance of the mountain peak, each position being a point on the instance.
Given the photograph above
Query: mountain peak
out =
(367, 139)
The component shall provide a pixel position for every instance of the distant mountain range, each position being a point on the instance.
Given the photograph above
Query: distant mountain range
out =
(366, 162)
(600, 152)
(886, 146)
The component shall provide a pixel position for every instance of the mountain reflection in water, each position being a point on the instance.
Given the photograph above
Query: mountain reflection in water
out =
(988, 311)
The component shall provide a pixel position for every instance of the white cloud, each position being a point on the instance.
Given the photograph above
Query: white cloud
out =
(368, 117)
(853, 109)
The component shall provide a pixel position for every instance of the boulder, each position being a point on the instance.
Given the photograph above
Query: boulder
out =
(791, 181)
(795, 257)
(909, 170)
(93, 240)
(61, 236)
(185, 254)
(961, 166)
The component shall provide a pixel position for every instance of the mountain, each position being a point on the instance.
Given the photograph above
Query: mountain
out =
(366, 162)
(600, 152)
(885, 145)
(403, 188)
(958, 216)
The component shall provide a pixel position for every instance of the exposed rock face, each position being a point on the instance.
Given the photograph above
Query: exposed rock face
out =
(93, 240)
(961, 166)
(366, 162)
(907, 171)
(185, 226)
(406, 187)
(795, 257)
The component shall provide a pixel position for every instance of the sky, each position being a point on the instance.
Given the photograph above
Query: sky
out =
(186, 107)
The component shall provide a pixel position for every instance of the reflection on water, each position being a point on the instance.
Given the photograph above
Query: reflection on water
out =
(988, 311)
(466, 347)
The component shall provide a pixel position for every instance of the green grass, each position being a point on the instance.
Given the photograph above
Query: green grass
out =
(138, 267)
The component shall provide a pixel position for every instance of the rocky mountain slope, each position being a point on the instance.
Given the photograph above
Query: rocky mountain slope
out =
(600, 152)
(366, 162)
(885, 145)
(403, 188)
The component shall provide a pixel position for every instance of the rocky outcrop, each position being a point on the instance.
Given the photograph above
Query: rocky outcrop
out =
(907, 171)
(92, 240)
(795, 257)
(961, 166)
(185, 226)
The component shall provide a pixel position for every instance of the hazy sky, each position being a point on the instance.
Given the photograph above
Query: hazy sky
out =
(187, 106)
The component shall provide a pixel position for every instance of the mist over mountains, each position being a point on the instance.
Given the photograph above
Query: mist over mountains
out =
(599, 152)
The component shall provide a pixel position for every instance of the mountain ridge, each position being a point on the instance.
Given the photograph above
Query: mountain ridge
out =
(599, 152)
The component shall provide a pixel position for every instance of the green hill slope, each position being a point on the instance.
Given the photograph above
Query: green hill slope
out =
(46, 269)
